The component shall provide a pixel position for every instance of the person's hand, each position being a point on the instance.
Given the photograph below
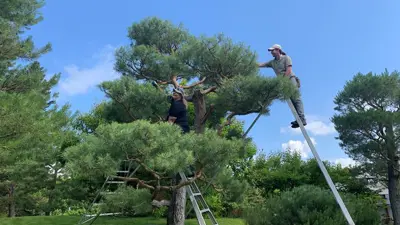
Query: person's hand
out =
(171, 119)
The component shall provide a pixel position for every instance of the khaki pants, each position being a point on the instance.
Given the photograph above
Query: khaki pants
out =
(298, 104)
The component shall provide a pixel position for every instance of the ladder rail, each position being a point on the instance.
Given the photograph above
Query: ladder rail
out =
(321, 166)
(195, 205)
(82, 220)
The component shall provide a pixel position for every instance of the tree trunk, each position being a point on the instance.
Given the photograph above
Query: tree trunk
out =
(11, 201)
(393, 175)
(394, 195)
(50, 202)
(200, 111)
(176, 210)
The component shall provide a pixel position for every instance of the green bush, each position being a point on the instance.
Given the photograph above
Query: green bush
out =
(128, 201)
(310, 205)
(160, 212)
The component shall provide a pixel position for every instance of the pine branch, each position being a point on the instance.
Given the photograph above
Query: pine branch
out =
(208, 114)
(195, 84)
(147, 169)
(174, 82)
(121, 103)
(142, 183)
(209, 90)
(214, 186)
(182, 184)
(226, 123)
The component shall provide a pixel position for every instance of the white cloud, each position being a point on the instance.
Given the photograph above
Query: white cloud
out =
(345, 162)
(80, 80)
(298, 146)
(316, 125)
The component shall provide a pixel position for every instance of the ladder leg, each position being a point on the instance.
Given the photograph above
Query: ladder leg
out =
(195, 197)
(200, 218)
(91, 218)
(322, 166)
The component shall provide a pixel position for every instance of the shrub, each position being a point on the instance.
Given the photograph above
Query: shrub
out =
(310, 205)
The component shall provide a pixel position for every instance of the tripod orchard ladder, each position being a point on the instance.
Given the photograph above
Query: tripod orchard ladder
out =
(86, 218)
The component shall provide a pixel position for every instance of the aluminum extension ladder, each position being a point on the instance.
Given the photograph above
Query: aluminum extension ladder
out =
(321, 165)
(198, 201)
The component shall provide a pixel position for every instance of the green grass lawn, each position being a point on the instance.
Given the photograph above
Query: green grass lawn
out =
(71, 220)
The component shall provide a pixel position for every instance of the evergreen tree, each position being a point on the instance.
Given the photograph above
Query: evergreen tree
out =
(220, 79)
(368, 122)
(30, 125)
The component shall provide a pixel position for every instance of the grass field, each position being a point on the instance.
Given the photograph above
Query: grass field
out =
(71, 220)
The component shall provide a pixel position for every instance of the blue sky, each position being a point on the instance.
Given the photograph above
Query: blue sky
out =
(329, 42)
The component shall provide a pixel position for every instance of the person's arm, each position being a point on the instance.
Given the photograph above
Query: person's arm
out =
(266, 64)
(174, 82)
(154, 83)
(288, 65)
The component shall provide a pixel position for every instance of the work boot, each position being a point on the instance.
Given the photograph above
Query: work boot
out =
(296, 125)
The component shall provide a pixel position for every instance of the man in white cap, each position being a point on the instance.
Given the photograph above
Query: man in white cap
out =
(282, 66)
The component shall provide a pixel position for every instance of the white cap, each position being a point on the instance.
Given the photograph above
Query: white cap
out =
(276, 46)
(178, 90)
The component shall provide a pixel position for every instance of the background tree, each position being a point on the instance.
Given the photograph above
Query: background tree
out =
(368, 124)
(30, 122)
(17, 16)
(283, 171)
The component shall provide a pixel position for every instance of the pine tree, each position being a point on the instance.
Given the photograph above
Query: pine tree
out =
(220, 79)
(30, 125)
(367, 122)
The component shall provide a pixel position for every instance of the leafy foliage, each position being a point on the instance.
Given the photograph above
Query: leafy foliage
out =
(133, 101)
(310, 205)
(128, 201)
(368, 120)
(284, 171)
(161, 145)
(251, 94)
(15, 17)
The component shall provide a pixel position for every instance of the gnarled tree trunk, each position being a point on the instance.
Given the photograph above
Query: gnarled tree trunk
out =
(200, 111)
(176, 210)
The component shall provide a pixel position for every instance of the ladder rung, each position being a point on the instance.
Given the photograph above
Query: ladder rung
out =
(94, 204)
(115, 182)
(204, 211)
(107, 193)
